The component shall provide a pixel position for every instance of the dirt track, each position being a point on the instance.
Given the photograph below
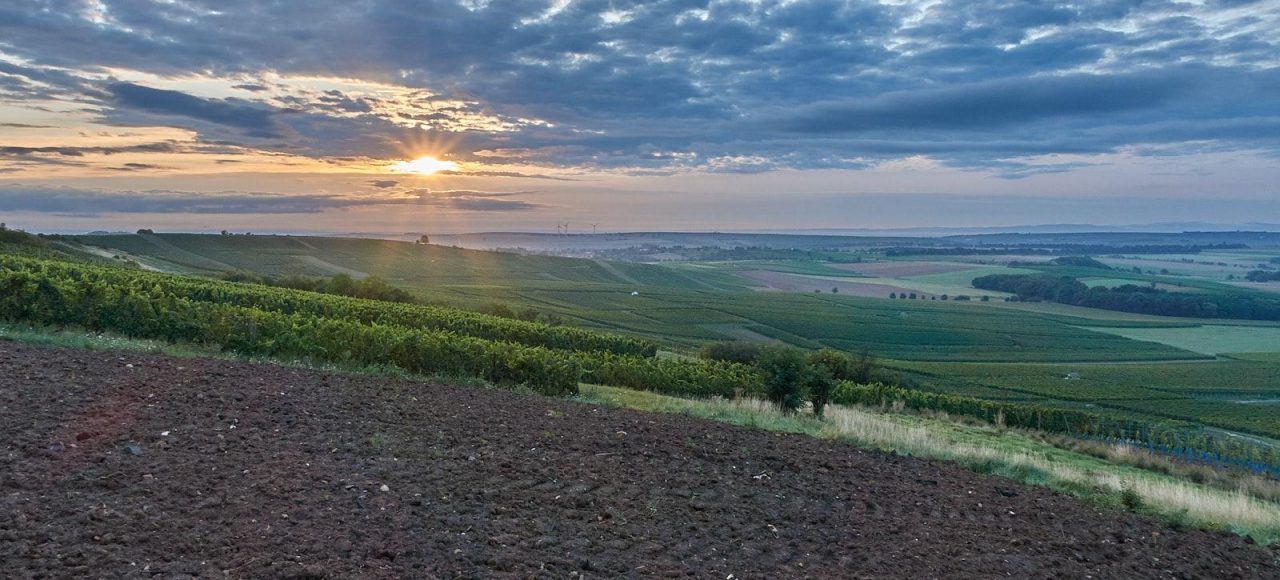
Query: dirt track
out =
(249, 470)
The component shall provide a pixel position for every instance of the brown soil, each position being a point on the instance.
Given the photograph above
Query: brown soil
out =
(253, 470)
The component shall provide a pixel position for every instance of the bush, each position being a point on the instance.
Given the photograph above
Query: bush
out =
(786, 376)
(827, 368)
(1080, 262)
(733, 351)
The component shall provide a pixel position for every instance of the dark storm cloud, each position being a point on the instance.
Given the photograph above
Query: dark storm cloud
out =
(71, 201)
(645, 85)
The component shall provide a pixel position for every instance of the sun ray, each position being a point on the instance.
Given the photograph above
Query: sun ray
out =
(425, 165)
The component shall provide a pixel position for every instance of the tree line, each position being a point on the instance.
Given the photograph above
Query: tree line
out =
(1058, 249)
(371, 288)
(1132, 297)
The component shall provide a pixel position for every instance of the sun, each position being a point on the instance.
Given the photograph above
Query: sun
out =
(423, 166)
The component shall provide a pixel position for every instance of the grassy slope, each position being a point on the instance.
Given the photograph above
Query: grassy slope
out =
(1209, 392)
(23, 244)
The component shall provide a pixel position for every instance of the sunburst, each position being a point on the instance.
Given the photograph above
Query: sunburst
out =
(426, 165)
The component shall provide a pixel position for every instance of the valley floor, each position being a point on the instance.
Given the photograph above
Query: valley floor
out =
(124, 464)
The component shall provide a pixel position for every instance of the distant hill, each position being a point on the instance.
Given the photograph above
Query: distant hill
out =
(395, 261)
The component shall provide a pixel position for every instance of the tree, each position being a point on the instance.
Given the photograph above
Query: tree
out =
(342, 284)
(861, 369)
(1080, 262)
(893, 295)
(786, 374)
(835, 290)
(496, 309)
(826, 368)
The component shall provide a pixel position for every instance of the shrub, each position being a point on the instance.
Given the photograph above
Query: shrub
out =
(732, 351)
(827, 368)
(786, 376)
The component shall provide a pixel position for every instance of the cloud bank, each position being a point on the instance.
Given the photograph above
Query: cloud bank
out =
(86, 202)
(664, 86)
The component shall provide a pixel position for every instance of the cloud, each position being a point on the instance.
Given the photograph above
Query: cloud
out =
(138, 167)
(384, 183)
(252, 120)
(993, 104)
(715, 86)
(481, 173)
(80, 151)
(84, 202)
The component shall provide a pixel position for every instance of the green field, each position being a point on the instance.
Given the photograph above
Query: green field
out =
(1208, 339)
(994, 350)
(684, 306)
(1231, 394)
(1110, 282)
(963, 278)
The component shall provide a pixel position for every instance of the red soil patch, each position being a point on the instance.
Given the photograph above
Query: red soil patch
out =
(269, 471)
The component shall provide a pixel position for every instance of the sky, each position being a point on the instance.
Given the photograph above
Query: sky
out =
(388, 116)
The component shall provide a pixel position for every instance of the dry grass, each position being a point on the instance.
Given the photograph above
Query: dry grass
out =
(991, 450)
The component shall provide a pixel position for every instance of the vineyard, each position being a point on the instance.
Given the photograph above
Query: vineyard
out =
(276, 322)
(1239, 395)
(255, 320)
(681, 306)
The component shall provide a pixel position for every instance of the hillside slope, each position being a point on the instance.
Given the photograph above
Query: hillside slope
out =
(118, 464)
(401, 262)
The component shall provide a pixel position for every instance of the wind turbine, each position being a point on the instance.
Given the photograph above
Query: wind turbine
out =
(593, 228)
